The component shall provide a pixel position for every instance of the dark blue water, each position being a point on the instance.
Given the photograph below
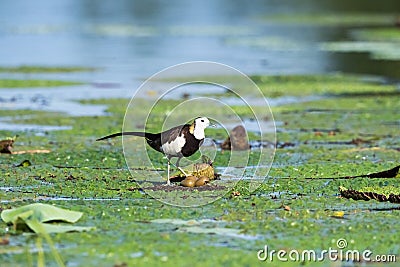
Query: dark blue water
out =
(134, 39)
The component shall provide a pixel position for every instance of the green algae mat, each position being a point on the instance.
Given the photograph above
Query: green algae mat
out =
(329, 188)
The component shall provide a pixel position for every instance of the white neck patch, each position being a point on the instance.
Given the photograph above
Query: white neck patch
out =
(198, 133)
(199, 125)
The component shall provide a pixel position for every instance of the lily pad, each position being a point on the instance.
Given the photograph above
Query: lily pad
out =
(382, 194)
(390, 173)
(176, 221)
(25, 163)
(36, 215)
(203, 226)
(212, 230)
(184, 222)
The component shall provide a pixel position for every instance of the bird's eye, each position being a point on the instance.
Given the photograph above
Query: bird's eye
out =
(202, 120)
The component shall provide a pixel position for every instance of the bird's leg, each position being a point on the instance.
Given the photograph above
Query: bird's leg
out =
(177, 163)
(179, 168)
(182, 171)
(168, 168)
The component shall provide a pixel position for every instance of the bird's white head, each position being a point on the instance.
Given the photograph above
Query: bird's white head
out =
(198, 127)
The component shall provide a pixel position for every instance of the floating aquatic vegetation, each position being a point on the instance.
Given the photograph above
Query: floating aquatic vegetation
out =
(382, 194)
(121, 30)
(26, 83)
(205, 226)
(382, 43)
(333, 19)
(297, 205)
(379, 193)
(390, 34)
(45, 69)
(379, 50)
(37, 217)
(272, 43)
(391, 173)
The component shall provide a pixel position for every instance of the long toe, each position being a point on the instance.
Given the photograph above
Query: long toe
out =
(182, 171)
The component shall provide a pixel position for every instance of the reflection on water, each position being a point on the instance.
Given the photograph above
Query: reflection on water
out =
(40, 129)
(134, 39)
(61, 99)
(130, 40)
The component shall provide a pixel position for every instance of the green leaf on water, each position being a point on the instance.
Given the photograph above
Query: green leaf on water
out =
(183, 222)
(203, 226)
(213, 230)
(36, 215)
(25, 163)
(42, 212)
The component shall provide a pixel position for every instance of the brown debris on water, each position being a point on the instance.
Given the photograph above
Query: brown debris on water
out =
(359, 141)
(32, 151)
(237, 139)
(6, 146)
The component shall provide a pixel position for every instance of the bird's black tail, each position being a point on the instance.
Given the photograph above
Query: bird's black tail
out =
(141, 134)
